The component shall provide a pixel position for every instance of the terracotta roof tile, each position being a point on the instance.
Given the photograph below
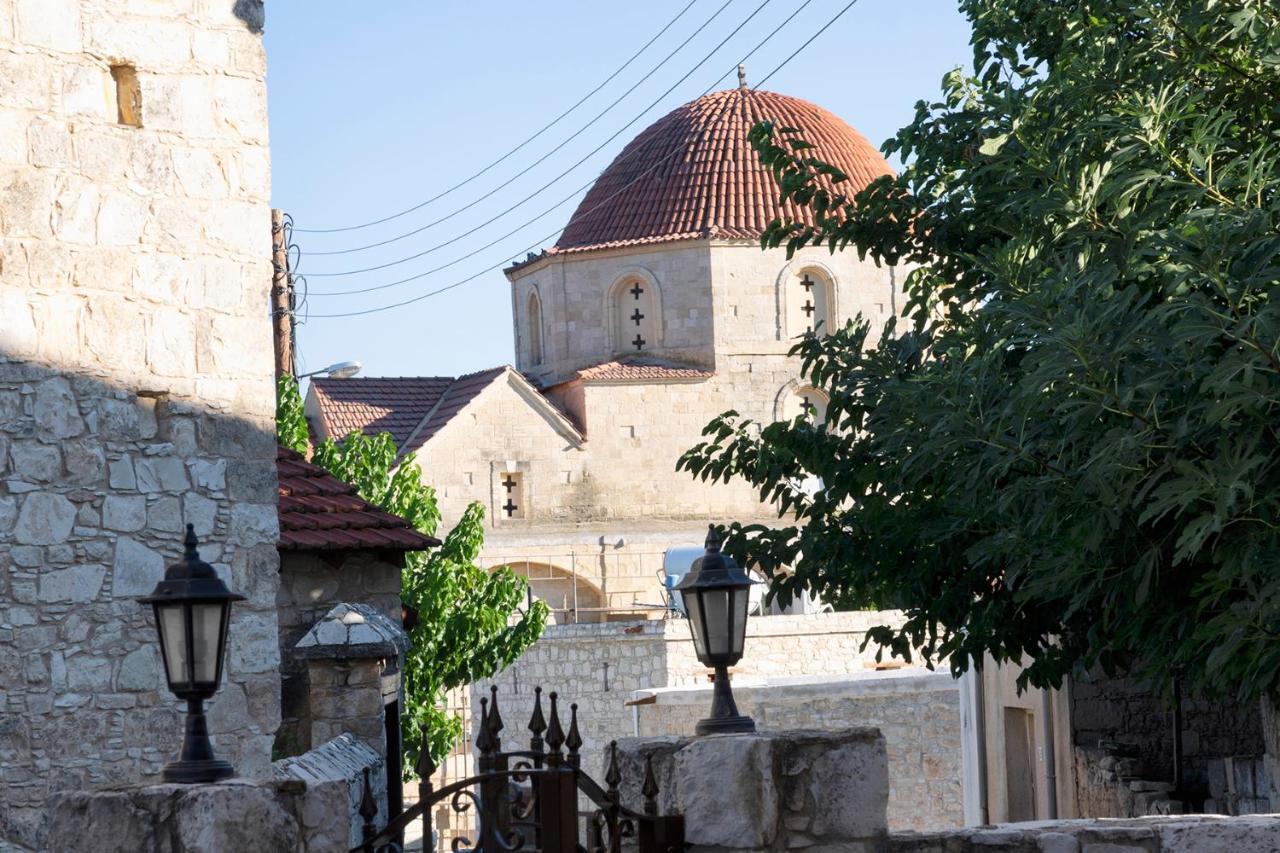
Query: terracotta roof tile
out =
(463, 390)
(372, 405)
(695, 175)
(320, 512)
(641, 370)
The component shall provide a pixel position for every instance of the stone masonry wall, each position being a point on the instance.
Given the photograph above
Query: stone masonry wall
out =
(600, 666)
(135, 383)
(1183, 834)
(310, 585)
(917, 711)
(1120, 710)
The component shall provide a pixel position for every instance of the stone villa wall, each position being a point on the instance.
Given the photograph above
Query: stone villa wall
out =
(917, 711)
(135, 383)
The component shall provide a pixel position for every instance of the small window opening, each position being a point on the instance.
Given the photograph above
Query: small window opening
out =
(512, 495)
(128, 95)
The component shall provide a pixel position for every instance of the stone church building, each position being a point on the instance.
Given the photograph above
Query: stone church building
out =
(656, 311)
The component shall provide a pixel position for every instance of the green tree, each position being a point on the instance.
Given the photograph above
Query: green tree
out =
(1067, 455)
(472, 622)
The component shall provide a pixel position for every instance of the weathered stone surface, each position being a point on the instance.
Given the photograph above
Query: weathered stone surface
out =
(78, 584)
(140, 670)
(44, 519)
(200, 512)
(137, 569)
(56, 414)
(160, 474)
(40, 463)
(727, 791)
(849, 787)
(124, 512)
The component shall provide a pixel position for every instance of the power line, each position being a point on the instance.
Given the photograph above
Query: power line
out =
(567, 198)
(498, 265)
(429, 250)
(535, 163)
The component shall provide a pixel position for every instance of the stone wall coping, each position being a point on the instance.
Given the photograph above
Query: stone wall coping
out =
(351, 632)
(342, 758)
(677, 630)
(869, 683)
(1165, 833)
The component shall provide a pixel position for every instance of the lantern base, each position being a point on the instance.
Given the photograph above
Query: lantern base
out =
(736, 724)
(194, 772)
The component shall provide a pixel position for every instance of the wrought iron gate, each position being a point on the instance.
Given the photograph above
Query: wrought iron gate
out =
(526, 801)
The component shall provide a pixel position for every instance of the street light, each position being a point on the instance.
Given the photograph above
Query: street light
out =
(715, 594)
(341, 370)
(193, 608)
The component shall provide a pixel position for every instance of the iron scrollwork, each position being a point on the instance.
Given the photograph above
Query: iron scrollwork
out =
(527, 800)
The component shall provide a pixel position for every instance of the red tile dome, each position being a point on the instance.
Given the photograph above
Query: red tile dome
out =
(693, 173)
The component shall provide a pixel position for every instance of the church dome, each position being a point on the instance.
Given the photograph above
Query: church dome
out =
(693, 173)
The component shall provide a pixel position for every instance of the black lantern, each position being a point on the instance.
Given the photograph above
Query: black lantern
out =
(715, 594)
(192, 608)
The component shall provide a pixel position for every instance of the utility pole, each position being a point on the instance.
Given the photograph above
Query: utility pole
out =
(281, 312)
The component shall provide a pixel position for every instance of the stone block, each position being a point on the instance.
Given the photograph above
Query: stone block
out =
(140, 670)
(45, 518)
(124, 512)
(56, 413)
(161, 474)
(78, 584)
(36, 462)
(137, 569)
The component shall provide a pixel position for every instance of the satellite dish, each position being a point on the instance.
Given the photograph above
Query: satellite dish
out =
(676, 563)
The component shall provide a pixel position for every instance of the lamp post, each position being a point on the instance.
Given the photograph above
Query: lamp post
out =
(193, 608)
(715, 593)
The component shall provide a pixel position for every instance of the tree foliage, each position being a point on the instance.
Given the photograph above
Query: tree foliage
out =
(1066, 455)
(471, 622)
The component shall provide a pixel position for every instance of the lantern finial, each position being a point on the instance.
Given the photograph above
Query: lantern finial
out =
(713, 540)
(190, 542)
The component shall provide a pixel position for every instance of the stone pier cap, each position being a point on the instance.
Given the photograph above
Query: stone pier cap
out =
(767, 790)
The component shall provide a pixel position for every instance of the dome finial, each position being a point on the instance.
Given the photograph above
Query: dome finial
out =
(742, 79)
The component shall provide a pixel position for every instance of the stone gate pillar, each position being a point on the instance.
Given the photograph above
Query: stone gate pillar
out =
(767, 791)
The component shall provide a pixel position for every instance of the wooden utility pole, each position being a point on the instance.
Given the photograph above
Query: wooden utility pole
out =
(281, 314)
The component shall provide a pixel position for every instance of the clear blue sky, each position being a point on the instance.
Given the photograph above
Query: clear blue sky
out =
(378, 106)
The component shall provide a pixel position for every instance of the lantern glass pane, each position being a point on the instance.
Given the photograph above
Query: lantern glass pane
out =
(741, 597)
(206, 631)
(693, 607)
(715, 603)
(173, 639)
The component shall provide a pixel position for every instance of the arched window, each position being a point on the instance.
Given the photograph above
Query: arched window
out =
(810, 303)
(635, 316)
(533, 328)
(805, 400)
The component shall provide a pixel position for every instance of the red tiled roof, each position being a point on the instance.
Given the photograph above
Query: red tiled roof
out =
(636, 370)
(696, 176)
(392, 404)
(412, 409)
(463, 390)
(319, 512)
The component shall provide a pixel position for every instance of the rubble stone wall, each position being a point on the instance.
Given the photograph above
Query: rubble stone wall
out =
(310, 585)
(136, 389)
(1122, 710)
(600, 666)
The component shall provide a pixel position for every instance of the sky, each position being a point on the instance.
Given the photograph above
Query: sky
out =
(378, 107)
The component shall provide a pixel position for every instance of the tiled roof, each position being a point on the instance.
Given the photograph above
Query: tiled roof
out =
(463, 390)
(638, 370)
(693, 174)
(320, 512)
(393, 404)
(412, 409)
